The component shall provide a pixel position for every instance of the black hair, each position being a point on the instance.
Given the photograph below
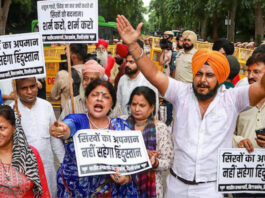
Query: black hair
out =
(8, 113)
(256, 58)
(259, 49)
(225, 44)
(178, 37)
(100, 82)
(79, 49)
(148, 94)
(234, 66)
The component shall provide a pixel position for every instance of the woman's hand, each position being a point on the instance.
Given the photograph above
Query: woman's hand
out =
(153, 157)
(128, 34)
(120, 179)
(60, 130)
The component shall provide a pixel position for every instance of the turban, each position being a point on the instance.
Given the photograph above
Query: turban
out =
(216, 60)
(169, 33)
(190, 35)
(102, 42)
(93, 66)
(122, 50)
(234, 66)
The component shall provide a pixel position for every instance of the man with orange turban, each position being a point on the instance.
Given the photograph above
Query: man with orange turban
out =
(205, 115)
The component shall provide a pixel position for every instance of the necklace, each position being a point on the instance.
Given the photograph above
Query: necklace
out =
(7, 172)
(140, 124)
(96, 127)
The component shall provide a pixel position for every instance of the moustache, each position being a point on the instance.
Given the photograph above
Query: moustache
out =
(202, 85)
(252, 79)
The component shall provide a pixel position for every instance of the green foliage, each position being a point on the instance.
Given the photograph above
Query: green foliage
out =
(132, 9)
(20, 15)
(190, 14)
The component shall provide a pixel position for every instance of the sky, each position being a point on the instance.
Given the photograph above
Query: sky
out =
(146, 3)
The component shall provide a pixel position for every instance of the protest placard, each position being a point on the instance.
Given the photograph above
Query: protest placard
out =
(240, 171)
(101, 151)
(21, 56)
(68, 21)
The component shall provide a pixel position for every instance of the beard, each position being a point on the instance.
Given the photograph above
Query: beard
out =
(187, 47)
(103, 57)
(207, 96)
(130, 71)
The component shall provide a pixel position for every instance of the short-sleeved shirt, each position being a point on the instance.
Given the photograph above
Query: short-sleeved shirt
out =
(197, 139)
(183, 65)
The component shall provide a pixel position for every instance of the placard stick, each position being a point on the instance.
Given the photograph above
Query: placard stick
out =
(14, 85)
(70, 76)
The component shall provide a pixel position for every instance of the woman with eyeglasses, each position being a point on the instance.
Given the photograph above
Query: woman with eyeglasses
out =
(21, 169)
(100, 99)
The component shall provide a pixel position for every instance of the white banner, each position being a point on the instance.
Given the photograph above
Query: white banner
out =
(74, 21)
(21, 56)
(240, 171)
(99, 152)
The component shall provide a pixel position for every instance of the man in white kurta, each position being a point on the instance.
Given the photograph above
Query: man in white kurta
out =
(133, 78)
(205, 115)
(36, 117)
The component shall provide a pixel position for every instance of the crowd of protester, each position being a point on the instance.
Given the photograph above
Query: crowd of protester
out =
(207, 105)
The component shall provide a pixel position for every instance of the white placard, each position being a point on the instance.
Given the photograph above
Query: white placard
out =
(74, 21)
(99, 152)
(240, 171)
(21, 56)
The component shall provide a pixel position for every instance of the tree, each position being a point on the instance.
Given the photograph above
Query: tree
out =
(4, 9)
(133, 10)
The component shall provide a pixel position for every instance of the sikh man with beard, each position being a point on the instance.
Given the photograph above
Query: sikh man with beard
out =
(183, 71)
(133, 78)
(205, 115)
(102, 54)
(119, 67)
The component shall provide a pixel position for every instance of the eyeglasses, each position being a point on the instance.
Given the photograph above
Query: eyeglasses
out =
(255, 72)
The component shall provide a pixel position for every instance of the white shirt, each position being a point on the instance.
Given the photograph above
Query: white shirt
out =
(125, 88)
(242, 82)
(36, 123)
(197, 140)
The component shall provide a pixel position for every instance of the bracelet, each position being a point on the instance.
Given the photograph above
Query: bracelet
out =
(141, 55)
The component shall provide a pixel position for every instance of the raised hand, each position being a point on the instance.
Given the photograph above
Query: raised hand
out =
(128, 34)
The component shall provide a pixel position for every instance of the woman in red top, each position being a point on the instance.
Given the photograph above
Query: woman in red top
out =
(21, 169)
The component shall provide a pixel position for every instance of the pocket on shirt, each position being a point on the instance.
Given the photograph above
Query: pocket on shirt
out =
(217, 121)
